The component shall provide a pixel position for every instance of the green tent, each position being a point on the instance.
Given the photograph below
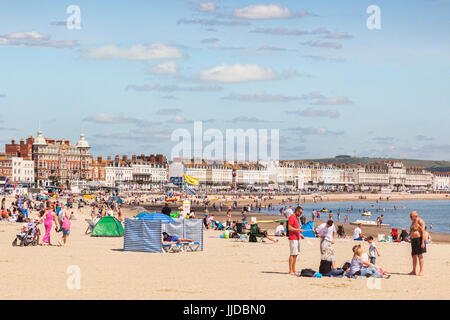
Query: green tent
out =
(108, 227)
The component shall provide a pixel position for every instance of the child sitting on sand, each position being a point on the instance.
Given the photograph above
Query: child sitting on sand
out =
(359, 267)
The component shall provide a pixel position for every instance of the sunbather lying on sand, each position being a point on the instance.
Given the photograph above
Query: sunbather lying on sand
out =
(168, 239)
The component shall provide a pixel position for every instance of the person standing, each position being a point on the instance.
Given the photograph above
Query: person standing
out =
(373, 251)
(65, 227)
(49, 218)
(326, 232)
(417, 238)
(294, 238)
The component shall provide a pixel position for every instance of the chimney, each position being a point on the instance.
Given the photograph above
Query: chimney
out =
(99, 159)
(13, 141)
(109, 158)
(124, 158)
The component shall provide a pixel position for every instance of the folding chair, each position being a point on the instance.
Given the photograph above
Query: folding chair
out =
(239, 231)
(90, 226)
(254, 229)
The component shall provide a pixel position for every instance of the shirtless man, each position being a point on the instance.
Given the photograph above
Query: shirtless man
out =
(418, 246)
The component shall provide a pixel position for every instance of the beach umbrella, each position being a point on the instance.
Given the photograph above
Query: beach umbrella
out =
(155, 216)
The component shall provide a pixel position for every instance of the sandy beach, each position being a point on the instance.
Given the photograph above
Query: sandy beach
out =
(226, 269)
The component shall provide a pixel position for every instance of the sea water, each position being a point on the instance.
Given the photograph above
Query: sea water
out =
(435, 212)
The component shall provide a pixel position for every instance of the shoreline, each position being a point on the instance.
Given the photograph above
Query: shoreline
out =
(437, 237)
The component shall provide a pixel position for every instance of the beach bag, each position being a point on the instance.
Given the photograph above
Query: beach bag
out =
(325, 266)
(307, 273)
(252, 238)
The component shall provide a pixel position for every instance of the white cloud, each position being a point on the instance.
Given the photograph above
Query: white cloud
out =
(317, 98)
(238, 73)
(206, 7)
(33, 39)
(323, 44)
(171, 88)
(137, 52)
(269, 11)
(27, 36)
(180, 119)
(260, 97)
(313, 113)
(169, 67)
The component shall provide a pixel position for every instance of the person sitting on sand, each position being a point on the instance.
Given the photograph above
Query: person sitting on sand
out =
(168, 239)
(359, 267)
(279, 230)
(357, 233)
(404, 236)
(265, 235)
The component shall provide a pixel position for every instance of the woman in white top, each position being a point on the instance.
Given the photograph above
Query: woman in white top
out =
(359, 267)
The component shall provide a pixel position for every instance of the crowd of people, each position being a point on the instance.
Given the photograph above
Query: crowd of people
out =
(362, 264)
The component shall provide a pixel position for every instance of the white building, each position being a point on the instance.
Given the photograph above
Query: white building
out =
(441, 181)
(118, 175)
(145, 174)
(22, 170)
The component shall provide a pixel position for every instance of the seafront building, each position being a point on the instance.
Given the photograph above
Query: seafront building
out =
(49, 162)
(441, 181)
(56, 162)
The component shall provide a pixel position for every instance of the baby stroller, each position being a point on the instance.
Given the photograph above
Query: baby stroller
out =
(340, 231)
(28, 238)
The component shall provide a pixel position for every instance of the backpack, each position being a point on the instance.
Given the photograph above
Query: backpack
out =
(307, 273)
(252, 238)
(325, 266)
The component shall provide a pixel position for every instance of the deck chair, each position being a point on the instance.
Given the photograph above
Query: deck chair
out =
(254, 230)
(190, 246)
(242, 235)
(90, 227)
(172, 248)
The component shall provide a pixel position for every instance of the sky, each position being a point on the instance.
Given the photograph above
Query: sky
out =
(137, 70)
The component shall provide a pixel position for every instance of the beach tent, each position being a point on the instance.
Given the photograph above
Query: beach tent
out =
(155, 216)
(308, 227)
(108, 227)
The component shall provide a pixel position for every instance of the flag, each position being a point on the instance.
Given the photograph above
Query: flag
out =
(15, 184)
(190, 191)
(191, 180)
(6, 184)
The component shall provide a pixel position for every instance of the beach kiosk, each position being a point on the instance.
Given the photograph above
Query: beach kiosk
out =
(144, 232)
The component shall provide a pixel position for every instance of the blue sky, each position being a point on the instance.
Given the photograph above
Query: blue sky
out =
(137, 70)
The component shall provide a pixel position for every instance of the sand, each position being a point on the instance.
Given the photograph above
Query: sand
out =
(226, 269)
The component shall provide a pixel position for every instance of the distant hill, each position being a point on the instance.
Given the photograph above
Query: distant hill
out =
(432, 165)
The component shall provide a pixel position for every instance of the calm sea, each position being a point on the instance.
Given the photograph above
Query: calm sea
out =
(435, 212)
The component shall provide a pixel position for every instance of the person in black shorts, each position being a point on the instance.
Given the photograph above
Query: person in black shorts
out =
(418, 246)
